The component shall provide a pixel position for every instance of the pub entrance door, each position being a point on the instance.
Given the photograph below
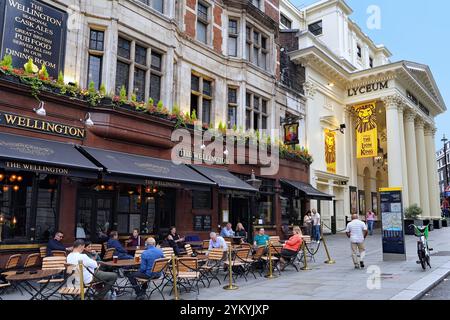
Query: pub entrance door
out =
(240, 212)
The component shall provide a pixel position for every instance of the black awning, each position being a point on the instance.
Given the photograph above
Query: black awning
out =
(307, 190)
(124, 167)
(224, 179)
(44, 156)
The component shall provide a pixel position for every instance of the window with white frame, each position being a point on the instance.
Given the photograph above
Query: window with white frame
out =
(232, 107)
(316, 28)
(95, 59)
(155, 4)
(201, 97)
(143, 66)
(285, 21)
(202, 22)
(256, 113)
(233, 35)
(257, 47)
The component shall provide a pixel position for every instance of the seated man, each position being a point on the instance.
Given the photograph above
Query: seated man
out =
(217, 242)
(89, 268)
(148, 258)
(135, 239)
(175, 241)
(261, 239)
(55, 244)
(227, 231)
(120, 251)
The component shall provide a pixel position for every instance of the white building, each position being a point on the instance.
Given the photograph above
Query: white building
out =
(344, 68)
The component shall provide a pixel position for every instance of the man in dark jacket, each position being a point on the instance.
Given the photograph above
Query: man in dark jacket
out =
(56, 244)
(120, 251)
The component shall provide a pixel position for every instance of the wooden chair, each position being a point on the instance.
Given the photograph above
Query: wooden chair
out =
(210, 270)
(12, 263)
(43, 252)
(96, 247)
(168, 252)
(53, 263)
(58, 253)
(240, 263)
(32, 261)
(109, 253)
(275, 252)
(159, 266)
(308, 241)
(188, 273)
(190, 253)
(105, 246)
(257, 261)
(274, 239)
(71, 288)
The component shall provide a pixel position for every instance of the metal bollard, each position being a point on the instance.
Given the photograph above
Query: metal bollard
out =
(270, 275)
(174, 276)
(230, 285)
(329, 261)
(305, 262)
(80, 266)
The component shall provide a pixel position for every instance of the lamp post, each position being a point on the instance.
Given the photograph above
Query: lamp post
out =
(255, 183)
(444, 140)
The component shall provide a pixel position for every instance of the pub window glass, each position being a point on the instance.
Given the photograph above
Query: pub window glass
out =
(129, 209)
(201, 200)
(232, 108)
(155, 77)
(265, 208)
(15, 206)
(46, 207)
(149, 224)
(84, 215)
(96, 47)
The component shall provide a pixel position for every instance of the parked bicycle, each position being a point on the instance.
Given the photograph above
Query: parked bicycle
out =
(423, 251)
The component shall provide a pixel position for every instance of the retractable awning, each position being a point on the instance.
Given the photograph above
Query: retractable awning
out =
(307, 190)
(224, 179)
(44, 156)
(131, 168)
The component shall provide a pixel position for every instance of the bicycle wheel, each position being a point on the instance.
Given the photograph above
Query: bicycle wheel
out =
(427, 259)
(421, 254)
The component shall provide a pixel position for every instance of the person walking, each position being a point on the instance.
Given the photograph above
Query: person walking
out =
(445, 205)
(357, 232)
(316, 225)
(370, 218)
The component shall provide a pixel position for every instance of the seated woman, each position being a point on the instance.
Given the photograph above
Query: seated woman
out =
(291, 247)
(240, 232)
(175, 241)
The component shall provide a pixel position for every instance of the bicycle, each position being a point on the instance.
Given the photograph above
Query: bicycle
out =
(423, 251)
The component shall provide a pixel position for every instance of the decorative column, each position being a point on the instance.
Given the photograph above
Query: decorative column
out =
(433, 182)
(310, 91)
(411, 159)
(423, 172)
(167, 85)
(401, 127)
(395, 171)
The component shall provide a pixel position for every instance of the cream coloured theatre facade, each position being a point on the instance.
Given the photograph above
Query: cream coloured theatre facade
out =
(387, 109)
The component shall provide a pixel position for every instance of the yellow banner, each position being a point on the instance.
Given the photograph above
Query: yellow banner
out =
(330, 150)
(366, 130)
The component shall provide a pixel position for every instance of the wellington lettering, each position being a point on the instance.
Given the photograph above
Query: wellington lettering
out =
(45, 126)
(37, 168)
(368, 88)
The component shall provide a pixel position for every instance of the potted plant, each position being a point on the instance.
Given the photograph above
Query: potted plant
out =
(6, 69)
(57, 86)
(122, 99)
(412, 215)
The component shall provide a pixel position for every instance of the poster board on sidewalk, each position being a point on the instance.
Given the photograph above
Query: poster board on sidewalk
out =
(393, 234)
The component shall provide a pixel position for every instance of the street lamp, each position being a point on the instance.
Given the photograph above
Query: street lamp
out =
(444, 140)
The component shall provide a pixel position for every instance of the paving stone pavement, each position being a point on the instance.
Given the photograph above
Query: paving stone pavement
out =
(397, 280)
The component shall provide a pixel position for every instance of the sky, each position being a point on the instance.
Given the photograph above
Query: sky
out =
(413, 30)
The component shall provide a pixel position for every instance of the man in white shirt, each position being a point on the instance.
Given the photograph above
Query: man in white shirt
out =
(357, 232)
(217, 242)
(316, 225)
(89, 268)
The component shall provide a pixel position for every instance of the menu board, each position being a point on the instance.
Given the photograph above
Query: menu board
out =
(201, 200)
(33, 29)
(202, 223)
(392, 223)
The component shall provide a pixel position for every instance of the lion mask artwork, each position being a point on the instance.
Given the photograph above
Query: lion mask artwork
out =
(366, 119)
(330, 145)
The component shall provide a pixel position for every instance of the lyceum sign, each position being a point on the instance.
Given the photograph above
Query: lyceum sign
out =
(32, 29)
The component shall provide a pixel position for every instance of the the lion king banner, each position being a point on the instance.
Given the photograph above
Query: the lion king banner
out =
(366, 130)
(330, 150)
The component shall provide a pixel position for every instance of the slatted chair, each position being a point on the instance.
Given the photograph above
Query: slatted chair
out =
(257, 263)
(96, 247)
(190, 253)
(205, 247)
(105, 246)
(43, 252)
(308, 242)
(188, 273)
(58, 253)
(274, 239)
(71, 289)
(10, 268)
(240, 263)
(275, 252)
(159, 266)
(32, 261)
(109, 254)
(54, 283)
(168, 252)
(210, 270)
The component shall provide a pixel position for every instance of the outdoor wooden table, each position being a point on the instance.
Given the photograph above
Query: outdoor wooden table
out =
(121, 263)
(25, 279)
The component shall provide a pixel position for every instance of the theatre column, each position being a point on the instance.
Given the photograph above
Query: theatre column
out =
(411, 159)
(395, 172)
(423, 172)
(433, 183)
(401, 127)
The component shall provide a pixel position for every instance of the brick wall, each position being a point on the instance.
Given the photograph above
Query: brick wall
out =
(271, 11)
(189, 21)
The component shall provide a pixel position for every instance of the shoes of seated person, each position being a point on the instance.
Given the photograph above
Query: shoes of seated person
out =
(357, 266)
(361, 264)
